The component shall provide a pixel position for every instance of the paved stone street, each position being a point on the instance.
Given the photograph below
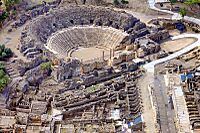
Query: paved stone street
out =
(148, 109)
(166, 114)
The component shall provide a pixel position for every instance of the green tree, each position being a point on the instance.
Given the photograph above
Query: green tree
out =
(9, 3)
(189, 3)
(8, 51)
(4, 81)
(124, 2)
(2, 66)
(3, 55)
(46, 66)
(3, 16)
(2, 47)
(183, 12)
(4, 78)
(2, 73)
(5, 52)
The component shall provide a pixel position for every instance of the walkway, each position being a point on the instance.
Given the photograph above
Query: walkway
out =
(149, 111)
(183, 121)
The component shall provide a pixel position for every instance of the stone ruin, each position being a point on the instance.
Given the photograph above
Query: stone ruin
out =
(56, 33)
(74, 86)
(34, 12)
(192, 96)
(37, 33)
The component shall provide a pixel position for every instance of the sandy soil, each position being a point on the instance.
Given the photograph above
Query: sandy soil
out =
(36, 2)
(145, 17)
(12, 40)
(175, 45)
(140, 9)
(86, 54)
(174, 32)
(140, 6)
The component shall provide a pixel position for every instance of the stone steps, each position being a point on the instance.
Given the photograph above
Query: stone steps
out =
(62, 42)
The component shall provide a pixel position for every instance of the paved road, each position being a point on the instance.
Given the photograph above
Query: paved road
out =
(150, 66)
(166, 114)
(149, 112)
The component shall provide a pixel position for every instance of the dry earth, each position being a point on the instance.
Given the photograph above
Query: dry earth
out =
(12, 40)
(175, 45)
(91, 53)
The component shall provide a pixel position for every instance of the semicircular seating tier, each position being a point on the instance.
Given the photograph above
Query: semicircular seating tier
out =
(62, 42)
(36, 34)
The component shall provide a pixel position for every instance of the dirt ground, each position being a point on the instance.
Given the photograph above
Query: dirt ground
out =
(86, 54)
(147, 17)
(174, 32)
(175, 45)
(140, 6)
(12, 40)
(39, 1)
(140, 9)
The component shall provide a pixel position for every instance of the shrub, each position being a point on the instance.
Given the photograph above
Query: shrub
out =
(2, 67)
(124, 2)
(183, 12)
(115, 2)
(3, 15)
(5, 52)
(46, 66)
(4, 78)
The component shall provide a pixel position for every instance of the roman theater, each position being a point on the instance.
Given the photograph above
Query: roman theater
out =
(76, 68)
(70, 30)
(88, 41)
(89, 34)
